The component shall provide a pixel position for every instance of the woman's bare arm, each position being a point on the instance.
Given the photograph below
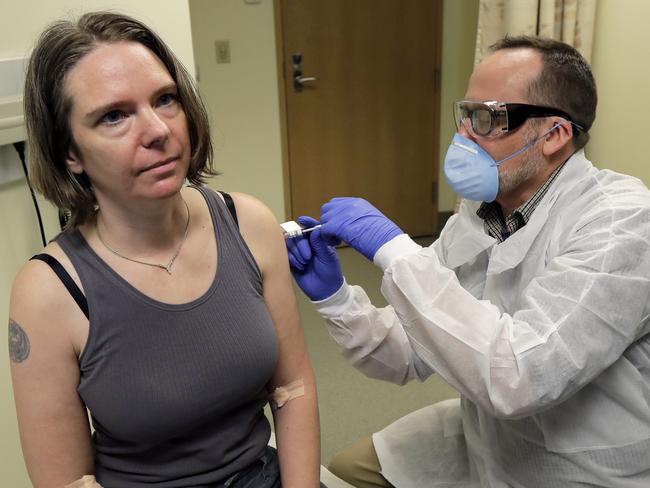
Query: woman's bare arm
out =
(44, 323)
(296, 423)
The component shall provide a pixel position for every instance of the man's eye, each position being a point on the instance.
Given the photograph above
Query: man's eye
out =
(113, 117)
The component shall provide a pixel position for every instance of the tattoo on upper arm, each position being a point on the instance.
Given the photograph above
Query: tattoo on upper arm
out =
(18, 343)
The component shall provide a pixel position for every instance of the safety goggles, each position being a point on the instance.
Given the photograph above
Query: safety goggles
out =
(491, 118)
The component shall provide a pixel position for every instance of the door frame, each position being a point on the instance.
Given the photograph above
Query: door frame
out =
(282, 98)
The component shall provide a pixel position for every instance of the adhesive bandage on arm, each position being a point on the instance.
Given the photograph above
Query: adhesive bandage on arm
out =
(282, 394)
(87, 481)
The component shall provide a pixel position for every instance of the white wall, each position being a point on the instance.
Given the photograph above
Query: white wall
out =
(20, 23)
(459, 21)
(242, 96)
(621, 66)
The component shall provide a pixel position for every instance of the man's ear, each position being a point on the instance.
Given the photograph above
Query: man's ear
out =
(73, 162)
(559, 138)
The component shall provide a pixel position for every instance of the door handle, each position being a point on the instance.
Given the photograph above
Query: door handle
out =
(298, 79)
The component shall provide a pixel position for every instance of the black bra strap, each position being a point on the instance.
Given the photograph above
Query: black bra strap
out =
(66, 279)
(231, 206)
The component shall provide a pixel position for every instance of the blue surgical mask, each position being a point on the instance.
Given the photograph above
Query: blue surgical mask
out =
(472, 172)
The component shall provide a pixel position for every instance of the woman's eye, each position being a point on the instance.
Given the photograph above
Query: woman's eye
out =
(167, 99)
(113, 117)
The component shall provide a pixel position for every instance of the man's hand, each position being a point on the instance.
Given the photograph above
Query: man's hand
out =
(314, 263)
(358, 223)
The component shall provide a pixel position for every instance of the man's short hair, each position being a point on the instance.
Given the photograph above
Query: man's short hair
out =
(565, 82)
(47, 106)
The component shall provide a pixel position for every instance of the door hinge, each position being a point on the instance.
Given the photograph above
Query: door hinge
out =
(436, 79)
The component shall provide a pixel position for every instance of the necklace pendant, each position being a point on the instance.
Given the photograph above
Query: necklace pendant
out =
(167, 268)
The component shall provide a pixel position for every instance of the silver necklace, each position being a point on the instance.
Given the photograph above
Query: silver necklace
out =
(169, 265)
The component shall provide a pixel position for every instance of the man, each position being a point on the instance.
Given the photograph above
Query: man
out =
(534, 303)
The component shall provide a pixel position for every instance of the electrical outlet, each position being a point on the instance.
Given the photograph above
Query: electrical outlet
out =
(223, 51)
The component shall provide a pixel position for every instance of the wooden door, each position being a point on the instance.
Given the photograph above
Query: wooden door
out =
(368, 126)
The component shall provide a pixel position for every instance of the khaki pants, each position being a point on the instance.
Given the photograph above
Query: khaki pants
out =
(359, 465)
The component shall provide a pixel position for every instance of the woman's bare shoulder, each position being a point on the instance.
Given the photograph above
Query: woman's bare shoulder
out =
(40, 303)
(36, 276)
(252, 212)
(260, 230)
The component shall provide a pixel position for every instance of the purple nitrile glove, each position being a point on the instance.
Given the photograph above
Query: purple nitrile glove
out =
(314, 263)
(358, 223)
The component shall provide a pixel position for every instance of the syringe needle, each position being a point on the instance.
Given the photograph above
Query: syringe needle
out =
(309, 229)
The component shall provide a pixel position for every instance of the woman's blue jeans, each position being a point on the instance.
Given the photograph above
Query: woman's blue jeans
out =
(264, 473)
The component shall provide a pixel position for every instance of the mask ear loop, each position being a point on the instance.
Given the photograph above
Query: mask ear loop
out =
(527, 146)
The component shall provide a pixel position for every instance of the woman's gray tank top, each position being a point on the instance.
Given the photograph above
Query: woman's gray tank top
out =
(176, 392)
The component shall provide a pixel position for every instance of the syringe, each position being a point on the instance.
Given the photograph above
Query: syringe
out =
(293, 229)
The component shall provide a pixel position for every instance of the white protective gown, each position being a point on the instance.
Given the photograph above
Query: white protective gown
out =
(545, 336)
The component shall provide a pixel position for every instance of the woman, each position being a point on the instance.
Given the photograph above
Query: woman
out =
(191, 319)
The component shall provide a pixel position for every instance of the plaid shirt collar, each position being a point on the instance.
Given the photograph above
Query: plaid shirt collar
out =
(498, 227)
